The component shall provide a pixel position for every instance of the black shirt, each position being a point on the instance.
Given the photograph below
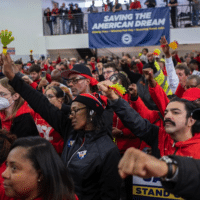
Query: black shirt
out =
(152, 3)
(118, 6)
(63, 11)
(173, 8)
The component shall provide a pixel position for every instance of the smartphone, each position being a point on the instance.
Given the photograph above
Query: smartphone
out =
(30, 77)
(43, 75)
(20, 74)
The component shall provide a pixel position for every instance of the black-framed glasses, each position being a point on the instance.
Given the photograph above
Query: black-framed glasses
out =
(107, 72)
(74, 80)
(50, 96)
(197, 101)
(190, 86)
(73, 112)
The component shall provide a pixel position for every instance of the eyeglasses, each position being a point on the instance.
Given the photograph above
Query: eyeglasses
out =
(197, 101)
(74, 81)
(73, 112)
(114, 77)
(108, 72)
(50, 96)
(190, 86)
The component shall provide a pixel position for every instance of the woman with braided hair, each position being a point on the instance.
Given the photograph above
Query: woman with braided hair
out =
(6, 140)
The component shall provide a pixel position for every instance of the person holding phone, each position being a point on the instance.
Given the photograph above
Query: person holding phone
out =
(38, 77)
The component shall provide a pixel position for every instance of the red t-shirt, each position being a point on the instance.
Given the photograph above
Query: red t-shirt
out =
(93, 65)
(135, 5)
(55, 11)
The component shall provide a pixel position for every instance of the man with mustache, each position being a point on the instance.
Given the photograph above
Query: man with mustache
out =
(180, 135)
(184, 180)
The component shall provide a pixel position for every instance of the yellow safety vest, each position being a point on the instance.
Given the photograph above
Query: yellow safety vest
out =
(161, 79)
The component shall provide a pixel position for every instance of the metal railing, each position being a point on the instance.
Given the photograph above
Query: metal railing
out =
(63, 25)
(78, 23)
(185, 16)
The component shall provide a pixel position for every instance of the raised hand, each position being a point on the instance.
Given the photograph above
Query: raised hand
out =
(106, 90)
(133, 89)
(100, 68)
(42, 83)
(148, 73)
(116, 132)
(7, 67)
(27, 79)
(165, 46)
(136, 162)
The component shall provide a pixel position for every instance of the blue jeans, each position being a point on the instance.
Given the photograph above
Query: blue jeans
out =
(65, 25)
(195, 17)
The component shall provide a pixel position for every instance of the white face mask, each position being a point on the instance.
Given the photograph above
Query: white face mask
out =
(4, 103)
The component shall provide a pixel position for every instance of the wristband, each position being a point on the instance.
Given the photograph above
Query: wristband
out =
(163, 45)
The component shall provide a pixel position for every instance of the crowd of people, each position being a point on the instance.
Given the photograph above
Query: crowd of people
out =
(66, 21)
(63, 20)
(64, 129)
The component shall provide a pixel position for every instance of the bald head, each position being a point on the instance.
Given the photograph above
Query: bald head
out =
(56, 75)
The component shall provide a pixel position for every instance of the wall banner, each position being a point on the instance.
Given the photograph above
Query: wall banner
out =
(128, 28)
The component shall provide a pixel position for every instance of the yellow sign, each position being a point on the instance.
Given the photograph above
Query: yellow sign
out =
(155, 192)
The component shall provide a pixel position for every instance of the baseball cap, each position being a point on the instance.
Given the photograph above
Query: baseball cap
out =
(91, 101)
(82, 70)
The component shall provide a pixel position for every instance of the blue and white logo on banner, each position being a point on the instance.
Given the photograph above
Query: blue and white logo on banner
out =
(128, 28)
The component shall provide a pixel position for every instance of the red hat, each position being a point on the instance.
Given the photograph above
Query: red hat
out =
(191, 94)
(91, 101)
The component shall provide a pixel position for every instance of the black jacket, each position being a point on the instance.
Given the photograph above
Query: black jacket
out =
(24, 126)
(63, 12)
(91, 157)
(48, 16)
(188, 184)
(143, 92)
(142, 128)
(142, 85)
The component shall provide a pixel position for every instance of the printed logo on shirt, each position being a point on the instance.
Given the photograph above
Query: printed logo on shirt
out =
(81, 154)
(70, 143)
(45, 131)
